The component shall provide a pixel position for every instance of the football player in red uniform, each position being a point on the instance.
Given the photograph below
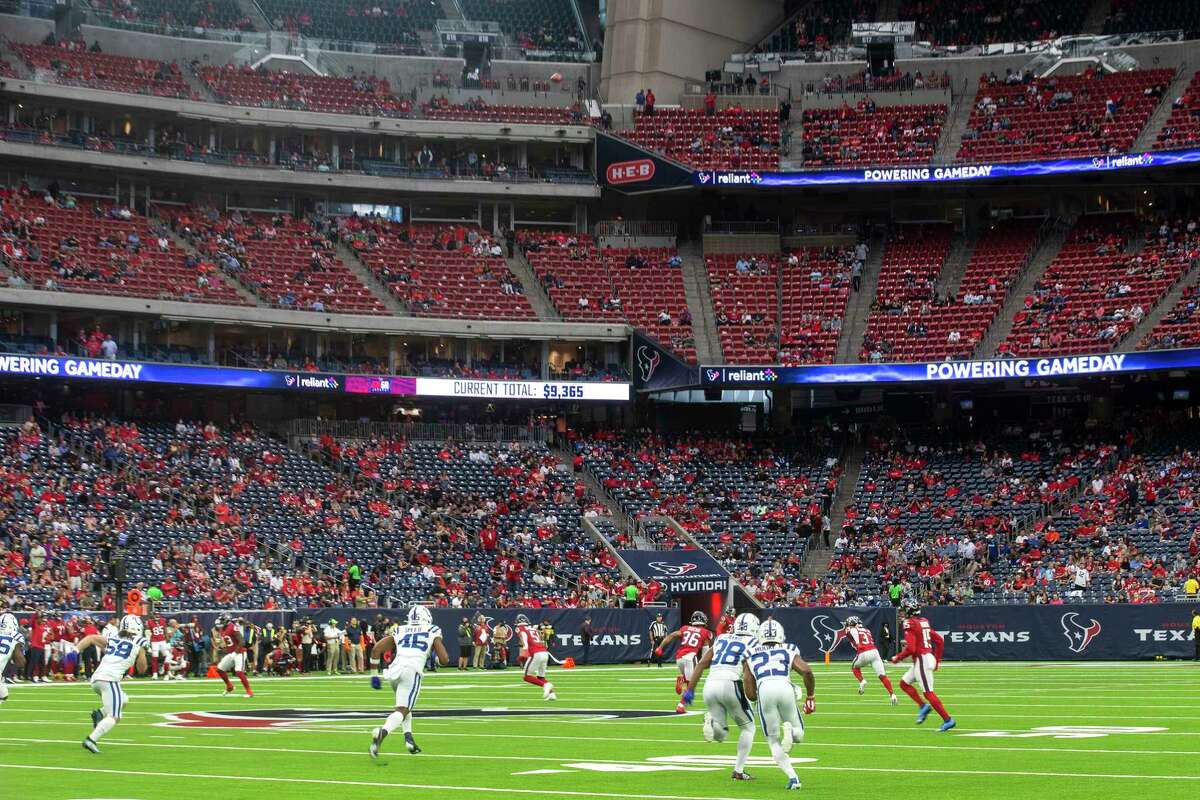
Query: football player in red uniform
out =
(534, 656)
(694, 638)
(865, 654)
(925, 645)
(160, 651)
(234, 659)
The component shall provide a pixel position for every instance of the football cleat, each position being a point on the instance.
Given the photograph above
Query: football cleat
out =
(680, 709)
(154, 677)
(792, 784)
(248, 695)
(947, 725)
(741, 776)
(893, 699)
(90, 746)
(411, 744)
(227, 692)
(923, 713)
(787, 737)
(862, 687)
(377, 739)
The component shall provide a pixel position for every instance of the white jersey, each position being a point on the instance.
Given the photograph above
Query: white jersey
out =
(119, 656)
(729, 651)
(10, 644)
(772, 662)
(413, 643)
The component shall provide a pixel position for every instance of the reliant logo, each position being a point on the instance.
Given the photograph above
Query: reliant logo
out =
(675, 570)
(630, 171)
(739, 178)
(1079, 636)
(327, 382)
(767, 375)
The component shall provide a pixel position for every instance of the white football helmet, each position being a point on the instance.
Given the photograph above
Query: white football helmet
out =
(745, 625)
(131, 624)
(9, 625)
(771, 632)
(419, 615)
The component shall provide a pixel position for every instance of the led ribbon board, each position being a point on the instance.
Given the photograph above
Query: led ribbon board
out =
(943, 371)
(234, 378)
(956, 172)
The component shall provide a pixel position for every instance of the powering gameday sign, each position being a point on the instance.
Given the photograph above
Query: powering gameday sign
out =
(679, 571)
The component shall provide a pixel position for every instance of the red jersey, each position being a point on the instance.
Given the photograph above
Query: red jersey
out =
(157, 627)
(231, 639)
(920, 639)
(531, 640)
(860, 639)
(692, 639)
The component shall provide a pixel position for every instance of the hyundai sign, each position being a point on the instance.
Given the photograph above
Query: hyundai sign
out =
(961, 172)
(679, 571)
(722, 376)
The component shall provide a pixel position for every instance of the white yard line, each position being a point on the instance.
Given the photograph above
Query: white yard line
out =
(369, 784)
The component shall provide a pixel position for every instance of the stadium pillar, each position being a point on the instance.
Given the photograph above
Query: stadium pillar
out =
(545, 364)
(781, 410)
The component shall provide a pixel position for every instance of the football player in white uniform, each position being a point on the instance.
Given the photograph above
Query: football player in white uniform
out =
(767, 676)
(127, 649)
(12, 646)
(412, 643)
(724, 695)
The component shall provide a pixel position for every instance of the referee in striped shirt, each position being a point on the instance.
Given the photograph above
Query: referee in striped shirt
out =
(658, 632)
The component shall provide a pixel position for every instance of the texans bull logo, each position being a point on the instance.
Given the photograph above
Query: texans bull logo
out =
(1079, 636)
(675, 570)
(648, 360)
(823, 632)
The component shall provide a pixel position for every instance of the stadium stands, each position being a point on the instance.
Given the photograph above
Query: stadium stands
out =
(953, 22)
(912, 326)
(912, 260)
(639, 285)
(815, 287)
(287, 262)
(192, 15)
(745, 293)
(733, 138)
(1017, 119)
(440, 271)
(394, 27)
(533, 24)
(73, 64)
(1182, 128)
(480, 111)
(1137, 16)
(1100, 286)
(263, 88)
(819, 25)
(869, 134)
(100, 249)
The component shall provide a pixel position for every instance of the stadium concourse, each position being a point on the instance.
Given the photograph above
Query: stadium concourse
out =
(571, 399)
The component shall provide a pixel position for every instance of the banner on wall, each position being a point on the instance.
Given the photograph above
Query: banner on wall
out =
(629, 169)
(679, 571)
(620, 635)
(814, 630)
(236, 378)
(958, 172)
(656, 368)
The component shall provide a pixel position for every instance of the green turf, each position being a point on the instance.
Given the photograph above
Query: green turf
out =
(861, 746)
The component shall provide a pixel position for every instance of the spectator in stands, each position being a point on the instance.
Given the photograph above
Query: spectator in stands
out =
(649, 102)
(639, 101)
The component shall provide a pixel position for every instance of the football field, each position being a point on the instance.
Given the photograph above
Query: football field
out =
(1024, 731)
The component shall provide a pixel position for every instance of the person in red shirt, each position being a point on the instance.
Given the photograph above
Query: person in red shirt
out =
(156, 632)
(694, 638)
(925, 646)
(35, 663)
(534, 656)
(234, 658)
(865, 652)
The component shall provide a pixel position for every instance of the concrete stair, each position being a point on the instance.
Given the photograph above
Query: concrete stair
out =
(393, 304)
(950, 139)
(699, 300)
(535, 293)
(816, 562)
(1158, 120)
(1093, 23)
(954, 268)
(247, 295)
(1051, 242)
(858, 309)
(794, 159)
(1157, 314)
